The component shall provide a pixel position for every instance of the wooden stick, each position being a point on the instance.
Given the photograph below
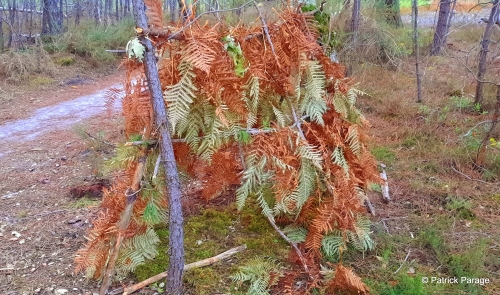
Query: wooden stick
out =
(385, 186)
(196, 264)
(266, 30)
(406, 258)
(123, 224)
(293, 244)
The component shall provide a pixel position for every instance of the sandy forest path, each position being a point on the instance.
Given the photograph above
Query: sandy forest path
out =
(43, 157)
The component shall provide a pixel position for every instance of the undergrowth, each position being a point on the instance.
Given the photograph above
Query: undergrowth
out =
(90, 41)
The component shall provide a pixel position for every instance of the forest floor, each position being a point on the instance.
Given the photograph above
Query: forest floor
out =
(443, 220)
(41, 226)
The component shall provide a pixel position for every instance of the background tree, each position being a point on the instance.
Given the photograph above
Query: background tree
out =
(354, 28)
(393, 12)
(52, 18)
(484, 52)
(442, 27)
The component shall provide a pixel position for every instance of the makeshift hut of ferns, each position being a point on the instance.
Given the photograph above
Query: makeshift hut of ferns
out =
(268, 112)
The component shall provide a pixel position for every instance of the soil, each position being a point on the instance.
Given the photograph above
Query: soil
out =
(41, 225)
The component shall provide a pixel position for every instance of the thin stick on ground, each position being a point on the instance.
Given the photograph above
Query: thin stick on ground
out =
(293, 244)
(406, 258)
(197, 264)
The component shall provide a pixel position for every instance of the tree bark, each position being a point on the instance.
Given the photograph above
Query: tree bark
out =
(484, 52)
(356, 7)
(176, 238)
(414, 8)
(12, 18)
(2, 42)
(51, 18)
(441, 27)
(393, 13)
(481, 152)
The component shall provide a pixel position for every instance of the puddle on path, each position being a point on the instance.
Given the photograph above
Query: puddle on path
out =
(56, 117)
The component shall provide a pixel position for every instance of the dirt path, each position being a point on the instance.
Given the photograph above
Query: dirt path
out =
(41, 227)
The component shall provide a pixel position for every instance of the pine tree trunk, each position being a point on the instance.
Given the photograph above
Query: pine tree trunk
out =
(12, 18)
(414, 7)
(356, 7)
(484, 52)
(393, 13)
(2, 40)
(441, 27)
(176, 238)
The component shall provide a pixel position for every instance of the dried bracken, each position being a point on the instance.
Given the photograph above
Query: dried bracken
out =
(289, 113)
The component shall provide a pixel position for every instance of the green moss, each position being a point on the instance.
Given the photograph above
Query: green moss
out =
(159, 264)
(38, 81)
(213, 232)
(384, 154)
(65, 60)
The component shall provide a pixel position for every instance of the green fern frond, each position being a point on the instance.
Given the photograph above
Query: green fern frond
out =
(266, 209)
(307, 184)
(352, 139)
(180, 96)
(295, 233)
(153, 214)
(124, 156)
(360, 239)
(281, 165)
(313, 104)
(339, 159)
(340, 104)
(251, 97)
(260, 274)
(309, 152)
(251, 178)
(135, 251)
(214, 138)
(281, 118)
(331, 244)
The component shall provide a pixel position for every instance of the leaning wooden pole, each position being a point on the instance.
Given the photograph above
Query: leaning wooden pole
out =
(176, 238)
(123, 223)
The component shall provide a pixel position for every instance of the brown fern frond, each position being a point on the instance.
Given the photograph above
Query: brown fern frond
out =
(199, 50)
(346, 280)
(154, 12)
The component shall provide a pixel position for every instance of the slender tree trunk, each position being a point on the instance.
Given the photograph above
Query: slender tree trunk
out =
(173, 10)
(117, 9)
(414, 10)
(393, 13)
(51, 18)
(2, 40)
(78, 12)
(481, 152)
(484, 52)
(356, 7)
(176, 238)
(12, 19)
(441, 27)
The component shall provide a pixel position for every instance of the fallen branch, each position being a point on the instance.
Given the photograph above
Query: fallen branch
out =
(11, 195)
(406, 258)
(293, 244)
(470, 178)
(196, 264)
